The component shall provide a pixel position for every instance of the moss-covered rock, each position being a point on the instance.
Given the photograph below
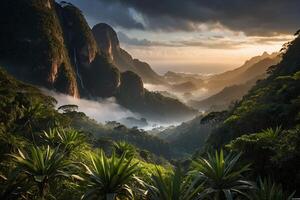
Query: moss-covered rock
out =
(33, 46)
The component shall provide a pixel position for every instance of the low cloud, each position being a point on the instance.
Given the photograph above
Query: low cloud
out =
(101, 110)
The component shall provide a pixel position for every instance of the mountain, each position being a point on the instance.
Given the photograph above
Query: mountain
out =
(195, 88)
(243, 79)
(188, 137)
(25, 108)
(178, 77)
(265, 124)
(108, 42)
(272, 102)
(33, 45)
(184, 87)
(51, 45)
(252, 68)
(153, 105)
(223, 99)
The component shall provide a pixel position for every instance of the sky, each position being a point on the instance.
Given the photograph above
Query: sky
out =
(196, 36)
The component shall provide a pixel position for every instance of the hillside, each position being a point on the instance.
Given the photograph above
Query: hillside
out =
(223, 99)
(256, 66)
(153, 105)
(21, 102)
(69, 59)
(266, 121)
(188, 137)
(278, 93)
(237, 83)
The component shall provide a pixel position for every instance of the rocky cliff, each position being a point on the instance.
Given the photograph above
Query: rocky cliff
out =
(51, 45)
(108, 42)
(33, 44)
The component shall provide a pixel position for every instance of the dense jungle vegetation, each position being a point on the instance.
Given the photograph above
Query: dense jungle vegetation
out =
(49, 153)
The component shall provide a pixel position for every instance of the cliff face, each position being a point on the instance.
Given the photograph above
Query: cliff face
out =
(51, 45)
(96, 76)
(33, 44)
(108, 42)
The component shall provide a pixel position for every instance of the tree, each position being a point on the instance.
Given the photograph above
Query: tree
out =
(221, 177)
(111, 178)
(68, 108)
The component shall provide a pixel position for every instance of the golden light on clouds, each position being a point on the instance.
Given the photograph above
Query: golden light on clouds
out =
(225, 55)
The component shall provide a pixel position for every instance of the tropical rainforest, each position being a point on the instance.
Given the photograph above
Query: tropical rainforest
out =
(246, 145)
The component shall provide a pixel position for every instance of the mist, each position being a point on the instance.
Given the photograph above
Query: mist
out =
(198, 94)
(102, 110)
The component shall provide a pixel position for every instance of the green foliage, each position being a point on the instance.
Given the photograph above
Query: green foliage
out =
(272, 102)
(42, 166)
(221, 177)
(173, 186)
(122, 147)
(117, 132)
(66, 139)
(268, 190)
(33, 46)
(273, 152)
(110, 178)
(188, 137)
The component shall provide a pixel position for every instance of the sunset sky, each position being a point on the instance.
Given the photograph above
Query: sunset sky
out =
(197, 36)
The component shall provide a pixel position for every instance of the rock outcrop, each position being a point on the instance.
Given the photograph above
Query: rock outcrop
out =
(108, 43)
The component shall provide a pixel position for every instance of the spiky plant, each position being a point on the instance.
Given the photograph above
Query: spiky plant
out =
(122, 147)
(173, 186)
(66, 139)
(13, 186)
(111, 178)
(272, 133)
(42, 166)
(221, 177)
(269, 190)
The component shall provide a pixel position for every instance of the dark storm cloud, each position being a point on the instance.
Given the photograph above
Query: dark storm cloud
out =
(254, 17)
(103, 11)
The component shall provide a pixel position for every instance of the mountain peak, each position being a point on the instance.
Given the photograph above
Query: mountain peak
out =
(106, 38)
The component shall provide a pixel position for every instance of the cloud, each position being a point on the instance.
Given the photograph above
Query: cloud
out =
(103, 11)
(214, 42)
(134, 41)
(125, 39)
(104, 110)
(101, 110)
(253, 17)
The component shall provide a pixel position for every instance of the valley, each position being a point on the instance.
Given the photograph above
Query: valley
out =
(81, 117)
